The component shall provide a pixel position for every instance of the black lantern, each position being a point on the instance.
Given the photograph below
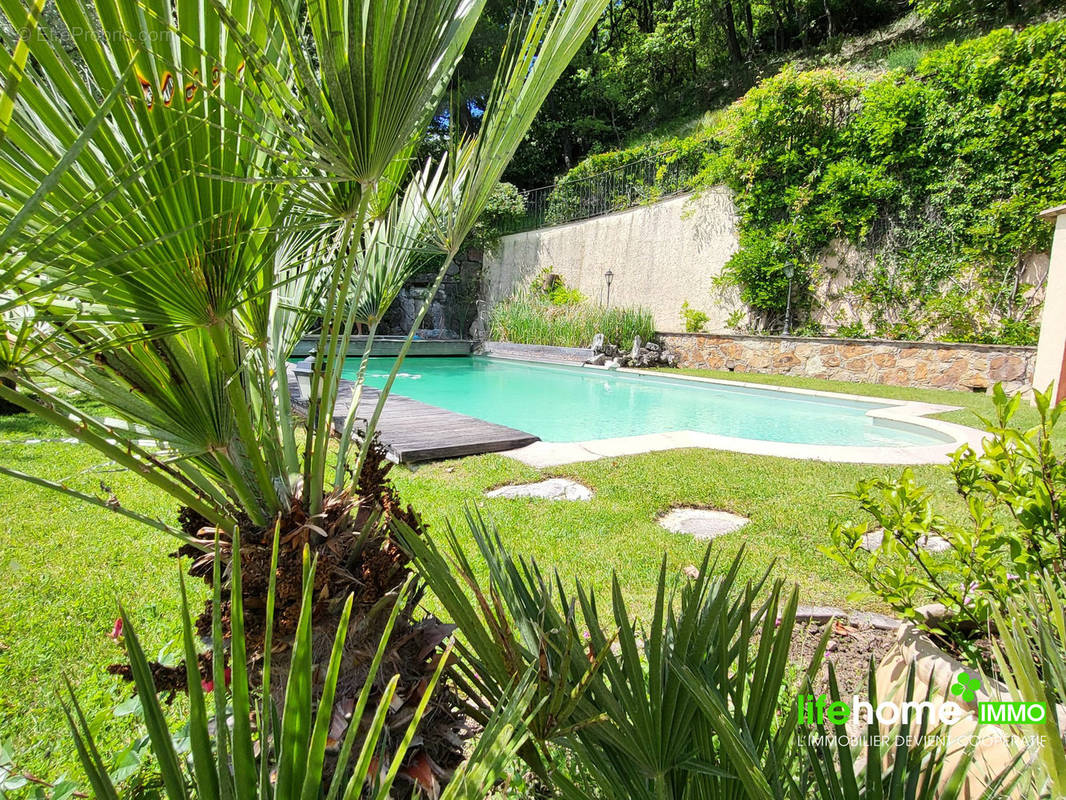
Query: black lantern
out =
(789, 272)
(608, 276)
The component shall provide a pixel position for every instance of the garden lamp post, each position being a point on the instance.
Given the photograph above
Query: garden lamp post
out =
(608, 276)
(789, 270)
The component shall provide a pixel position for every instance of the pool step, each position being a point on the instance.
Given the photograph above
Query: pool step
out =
(413, 431)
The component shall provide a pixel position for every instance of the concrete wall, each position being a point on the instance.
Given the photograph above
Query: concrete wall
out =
(661, 255)
(928, 365)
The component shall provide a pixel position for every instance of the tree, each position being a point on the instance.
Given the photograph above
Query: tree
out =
(653, 62)
(190, 194)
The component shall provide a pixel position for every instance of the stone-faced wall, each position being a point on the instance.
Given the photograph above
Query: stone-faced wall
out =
(927, 365)
(454, 306)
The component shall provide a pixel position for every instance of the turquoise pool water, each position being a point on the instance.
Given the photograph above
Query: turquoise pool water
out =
(571, 404)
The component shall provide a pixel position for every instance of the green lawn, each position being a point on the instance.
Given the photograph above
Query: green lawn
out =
(65, 565)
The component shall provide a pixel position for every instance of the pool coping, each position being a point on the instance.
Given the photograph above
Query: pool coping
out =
(909, 412)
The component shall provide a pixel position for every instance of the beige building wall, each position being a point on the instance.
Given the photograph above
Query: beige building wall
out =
(661, 255)
(1051, 350)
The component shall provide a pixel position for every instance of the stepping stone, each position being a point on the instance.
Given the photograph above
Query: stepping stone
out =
(931, 544)
(820, 613)
(702, 523)
(874, 620)
(551, 489)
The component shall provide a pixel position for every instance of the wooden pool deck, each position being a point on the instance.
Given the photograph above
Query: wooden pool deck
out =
(412, 431)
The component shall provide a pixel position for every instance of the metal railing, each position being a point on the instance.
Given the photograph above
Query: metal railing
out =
(639, 181)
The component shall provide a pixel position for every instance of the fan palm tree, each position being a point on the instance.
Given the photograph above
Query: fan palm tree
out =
(189, 187)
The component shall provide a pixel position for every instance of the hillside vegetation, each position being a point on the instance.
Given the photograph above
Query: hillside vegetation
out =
(924, 179)
(651, 68)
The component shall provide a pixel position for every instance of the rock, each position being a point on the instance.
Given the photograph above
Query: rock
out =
(855, 365)
(408, 311)
(871, 540)
(613, 363)
(931, 544)
(610, 350)
(436, 315)
(702, 523)
(437, 333)
(597, 343)
(653, 347)
(597, 360)
(551, 489)
(934, 544)
(635, 352)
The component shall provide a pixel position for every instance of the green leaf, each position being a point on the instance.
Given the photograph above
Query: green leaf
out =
(162, 745)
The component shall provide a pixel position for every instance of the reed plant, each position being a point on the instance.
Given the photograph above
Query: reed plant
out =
(528, 319)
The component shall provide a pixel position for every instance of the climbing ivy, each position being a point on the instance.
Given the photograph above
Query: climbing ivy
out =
(934, 178)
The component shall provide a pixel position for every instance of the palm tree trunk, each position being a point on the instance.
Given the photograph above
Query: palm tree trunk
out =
(355, 555)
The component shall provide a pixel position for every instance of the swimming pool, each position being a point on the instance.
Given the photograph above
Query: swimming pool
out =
(562, 403)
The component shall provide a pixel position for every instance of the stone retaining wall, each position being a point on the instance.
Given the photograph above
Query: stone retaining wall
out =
(926, 365)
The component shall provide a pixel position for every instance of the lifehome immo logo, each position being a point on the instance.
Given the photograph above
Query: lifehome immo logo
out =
(819, 710)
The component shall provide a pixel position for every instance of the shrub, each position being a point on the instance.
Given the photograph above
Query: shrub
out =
(698, 701)
(565, 296)
(1031, 654)
(529, 319)
(693, 319)
(502, 213)
(761, 270)
(944, 14)
(549, 287)
(264, 756)
(777, 143)
(854, 330)
(622, 178)
(1015, 531)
